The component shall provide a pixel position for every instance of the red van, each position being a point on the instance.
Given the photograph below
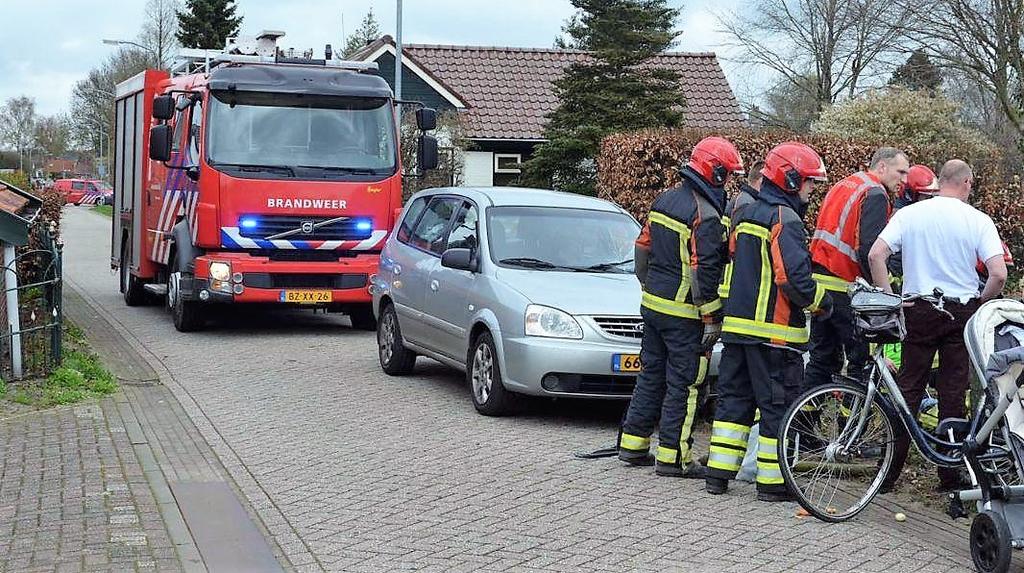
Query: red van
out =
(84, 191)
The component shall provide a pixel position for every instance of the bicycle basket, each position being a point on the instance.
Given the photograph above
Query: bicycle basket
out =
(878, 316)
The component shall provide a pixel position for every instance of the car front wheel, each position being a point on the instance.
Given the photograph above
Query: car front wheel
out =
(395, 358)
(489, 394)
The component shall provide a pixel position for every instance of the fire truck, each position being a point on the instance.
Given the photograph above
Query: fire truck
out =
(248, 176)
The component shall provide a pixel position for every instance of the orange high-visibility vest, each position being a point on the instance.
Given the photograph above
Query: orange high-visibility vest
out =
(836, 239)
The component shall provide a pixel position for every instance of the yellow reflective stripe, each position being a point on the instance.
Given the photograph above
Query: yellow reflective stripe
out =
(761, 311)
(830, 282)
(691, 411)
(728, 441)
(710, 307)
(667, 455)
(726, 222)
(670, 307)
(752, 229)
(819, 294)
(670, 223)
(724, 459)
(767, 330)
(631, 442)
(769, 474)
(729, 427)
(723, 289)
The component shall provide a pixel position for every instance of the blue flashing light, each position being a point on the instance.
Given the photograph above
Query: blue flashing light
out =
(248, 223)
(364, 225)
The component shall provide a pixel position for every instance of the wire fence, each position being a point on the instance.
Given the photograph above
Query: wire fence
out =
(37, 273)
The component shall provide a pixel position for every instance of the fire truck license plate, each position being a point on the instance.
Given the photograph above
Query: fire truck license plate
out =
(626, 363)
(306, 296)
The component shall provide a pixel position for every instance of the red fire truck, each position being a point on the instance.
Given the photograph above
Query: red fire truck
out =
(257, 178)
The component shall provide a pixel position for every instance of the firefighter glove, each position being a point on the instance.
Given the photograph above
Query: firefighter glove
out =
(712, 332)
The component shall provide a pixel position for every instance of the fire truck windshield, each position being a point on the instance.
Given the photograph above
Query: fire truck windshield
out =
(301, 135)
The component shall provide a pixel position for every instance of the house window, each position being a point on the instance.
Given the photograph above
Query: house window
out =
(508, 163)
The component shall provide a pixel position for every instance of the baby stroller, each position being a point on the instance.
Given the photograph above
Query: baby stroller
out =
(836, 441)
(994, 447)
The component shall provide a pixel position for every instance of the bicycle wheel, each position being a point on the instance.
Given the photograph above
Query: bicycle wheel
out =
(832, 469)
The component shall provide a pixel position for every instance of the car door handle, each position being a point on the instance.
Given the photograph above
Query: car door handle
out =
(434, 285)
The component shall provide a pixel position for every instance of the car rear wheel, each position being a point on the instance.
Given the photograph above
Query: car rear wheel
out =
(131, 286)
(484, 374)
(395, 358)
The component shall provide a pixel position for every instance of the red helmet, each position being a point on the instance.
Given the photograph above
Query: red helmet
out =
(714, 158)
(920, 180)
(789, 164)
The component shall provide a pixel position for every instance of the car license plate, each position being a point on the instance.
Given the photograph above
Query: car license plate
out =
(306, 296)
(626, 363)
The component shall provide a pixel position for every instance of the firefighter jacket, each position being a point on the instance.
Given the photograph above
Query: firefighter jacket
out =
(746, 196)
(852, 215)
(687, 250)
(771, 283)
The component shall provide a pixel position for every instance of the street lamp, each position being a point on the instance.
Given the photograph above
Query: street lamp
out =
(159, 59)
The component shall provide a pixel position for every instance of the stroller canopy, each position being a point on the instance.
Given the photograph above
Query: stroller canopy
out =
(995, 342)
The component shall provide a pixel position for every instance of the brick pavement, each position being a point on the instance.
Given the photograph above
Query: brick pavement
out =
(352, 470)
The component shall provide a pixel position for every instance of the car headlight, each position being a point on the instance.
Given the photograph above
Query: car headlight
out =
(551, 323)
(220, 271)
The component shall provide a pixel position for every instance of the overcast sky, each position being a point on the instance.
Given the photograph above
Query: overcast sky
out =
(51, 44)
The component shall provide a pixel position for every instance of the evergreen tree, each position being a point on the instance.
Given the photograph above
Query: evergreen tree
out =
(917, 73)
(368, 31)
(207, 23)
(612, 91)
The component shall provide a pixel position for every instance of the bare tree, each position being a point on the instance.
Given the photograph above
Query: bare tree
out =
(18, 126)
(53, 134)
(824, 48)
(92, 99)
(980, 39)
(159, 32)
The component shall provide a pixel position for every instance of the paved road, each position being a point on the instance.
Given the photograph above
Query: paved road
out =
(352, 470)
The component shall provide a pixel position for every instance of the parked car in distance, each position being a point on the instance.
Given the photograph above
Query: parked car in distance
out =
(85, 191)
(528, 291)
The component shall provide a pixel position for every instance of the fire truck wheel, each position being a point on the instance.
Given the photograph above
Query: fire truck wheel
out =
(187, 314)
(131, 286)
(362, 318)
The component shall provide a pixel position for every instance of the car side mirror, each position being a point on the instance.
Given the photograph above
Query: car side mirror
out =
(459, 259)
(426, 153)
(160, 142)
(163, 107)
(426, 119)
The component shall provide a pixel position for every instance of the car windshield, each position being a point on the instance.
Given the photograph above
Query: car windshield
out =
(301, 135)
(560, 239)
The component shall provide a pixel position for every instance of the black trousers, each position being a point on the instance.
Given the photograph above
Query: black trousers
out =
(928, 332)
(673, 368)
(752, 376)
(834, 343)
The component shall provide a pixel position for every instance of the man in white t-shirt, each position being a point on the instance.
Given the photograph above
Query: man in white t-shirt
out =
(941, 241)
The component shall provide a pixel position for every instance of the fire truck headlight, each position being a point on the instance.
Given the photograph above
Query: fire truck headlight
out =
(220, 271)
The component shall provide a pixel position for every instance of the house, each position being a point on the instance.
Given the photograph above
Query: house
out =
(504, 94)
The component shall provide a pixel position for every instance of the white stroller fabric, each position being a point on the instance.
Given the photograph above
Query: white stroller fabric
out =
(1001, 368)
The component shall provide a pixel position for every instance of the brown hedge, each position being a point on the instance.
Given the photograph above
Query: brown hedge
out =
(634, 167)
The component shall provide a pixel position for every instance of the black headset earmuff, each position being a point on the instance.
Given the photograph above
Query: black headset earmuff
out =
(793, 180)
(718, 174)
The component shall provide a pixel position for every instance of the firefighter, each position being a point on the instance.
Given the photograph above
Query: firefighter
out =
(680, 271)
(746, 196)
(764, 329)
(853, 213)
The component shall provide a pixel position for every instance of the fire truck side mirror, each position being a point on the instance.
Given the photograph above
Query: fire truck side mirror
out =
(426, 153)
(426, 119)
(160, 142)
(163, 107)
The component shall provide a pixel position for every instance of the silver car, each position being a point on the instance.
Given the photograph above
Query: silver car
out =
(528, 291)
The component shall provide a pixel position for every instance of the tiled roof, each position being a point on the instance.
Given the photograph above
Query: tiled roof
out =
(508, 91)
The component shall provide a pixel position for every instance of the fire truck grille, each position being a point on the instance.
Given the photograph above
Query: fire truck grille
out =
(304, 280)
(308, 228)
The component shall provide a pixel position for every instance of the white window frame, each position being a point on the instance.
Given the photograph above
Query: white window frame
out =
(517, 156)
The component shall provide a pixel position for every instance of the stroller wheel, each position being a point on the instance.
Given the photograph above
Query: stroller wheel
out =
(991, 547)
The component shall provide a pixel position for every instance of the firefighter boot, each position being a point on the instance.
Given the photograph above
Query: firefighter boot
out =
(716, 486)
(636, 458)
(691, 470)
(774, 496)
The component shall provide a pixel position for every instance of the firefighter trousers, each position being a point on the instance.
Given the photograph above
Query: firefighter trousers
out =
(833, 342)
(750, 377)
(673, 369)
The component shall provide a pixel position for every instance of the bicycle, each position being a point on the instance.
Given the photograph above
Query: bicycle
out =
(836, 441)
